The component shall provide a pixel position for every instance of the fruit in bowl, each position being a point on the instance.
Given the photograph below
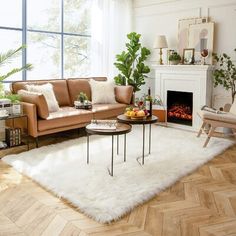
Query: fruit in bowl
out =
(135, 112)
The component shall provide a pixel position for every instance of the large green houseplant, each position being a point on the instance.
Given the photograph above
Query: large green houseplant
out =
(225, 74)
(131, 65)
(6, 58)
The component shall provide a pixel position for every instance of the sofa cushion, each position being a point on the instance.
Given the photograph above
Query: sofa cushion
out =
(124, 94)
(59, 87)
(47, 91)
(35, 98)
(66, 116)
(227, 117)
(75, 86)
(102, 92)
(103, 111)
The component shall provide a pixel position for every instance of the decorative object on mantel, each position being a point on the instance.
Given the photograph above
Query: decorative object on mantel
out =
(93, 191)
(131, 63)
(183, 31)
(160, 43)
(188, 56)
(225, 75)
(201, 37)
(204, 54)
(174, 58)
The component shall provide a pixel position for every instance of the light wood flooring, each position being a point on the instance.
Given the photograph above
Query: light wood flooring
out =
(202, 203)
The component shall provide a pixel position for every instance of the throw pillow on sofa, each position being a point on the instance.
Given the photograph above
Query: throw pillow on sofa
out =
(47, 91)
(35, 98)
(102, 91)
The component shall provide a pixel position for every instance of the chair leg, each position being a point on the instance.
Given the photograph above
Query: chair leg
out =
(201, 129)
(209, 136)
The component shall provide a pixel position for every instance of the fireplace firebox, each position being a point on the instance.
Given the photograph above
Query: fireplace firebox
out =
(180, 107)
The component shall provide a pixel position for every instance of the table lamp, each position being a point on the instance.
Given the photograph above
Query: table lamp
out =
(160, 42)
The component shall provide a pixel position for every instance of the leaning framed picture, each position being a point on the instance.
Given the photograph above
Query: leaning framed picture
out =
(188, 56)
(200, 38)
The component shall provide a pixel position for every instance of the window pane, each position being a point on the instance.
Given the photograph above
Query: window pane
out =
(44, 15)
(77, 16)
(11, 40)
(44, 54)
(11, 13)
(76, 56)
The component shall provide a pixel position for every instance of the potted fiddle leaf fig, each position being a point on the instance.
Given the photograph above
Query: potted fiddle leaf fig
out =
(131, 63)
(225, 74)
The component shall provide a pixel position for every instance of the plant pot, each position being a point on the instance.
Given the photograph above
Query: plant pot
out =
(174, 62)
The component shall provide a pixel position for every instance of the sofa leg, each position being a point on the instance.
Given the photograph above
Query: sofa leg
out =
(37, 142)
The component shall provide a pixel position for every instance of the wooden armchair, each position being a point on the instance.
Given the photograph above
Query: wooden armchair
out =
(213, 120)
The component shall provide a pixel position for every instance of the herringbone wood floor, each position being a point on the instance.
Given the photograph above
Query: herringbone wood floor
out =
(203, 203)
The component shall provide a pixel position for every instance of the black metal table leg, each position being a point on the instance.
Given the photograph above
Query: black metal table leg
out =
(117, 151)
(87, 148)
(112, 154)
(124, 147)
(143, 143)
(27, 121)
(150, 137)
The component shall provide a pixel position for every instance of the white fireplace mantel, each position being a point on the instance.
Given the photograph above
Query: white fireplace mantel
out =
(185, 78)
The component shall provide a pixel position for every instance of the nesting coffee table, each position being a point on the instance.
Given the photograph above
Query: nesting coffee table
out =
(121, 128)
(148, 121)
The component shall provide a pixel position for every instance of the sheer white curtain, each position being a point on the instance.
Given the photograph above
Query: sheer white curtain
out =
(111, 22)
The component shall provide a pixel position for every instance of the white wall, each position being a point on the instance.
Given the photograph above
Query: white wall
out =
(153, 17)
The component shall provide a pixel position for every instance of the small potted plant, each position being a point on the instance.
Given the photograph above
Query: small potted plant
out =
(15, 103)
(82, 97)
(174, 58)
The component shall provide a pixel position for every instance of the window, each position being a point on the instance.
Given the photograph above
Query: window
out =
(57, 35)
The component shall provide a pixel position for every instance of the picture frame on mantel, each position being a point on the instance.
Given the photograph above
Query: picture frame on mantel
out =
(188, 56)
(201, 37)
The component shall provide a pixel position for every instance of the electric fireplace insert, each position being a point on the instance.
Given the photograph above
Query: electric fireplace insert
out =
(180, 107)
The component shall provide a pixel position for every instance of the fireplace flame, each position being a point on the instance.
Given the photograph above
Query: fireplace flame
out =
(180, 112)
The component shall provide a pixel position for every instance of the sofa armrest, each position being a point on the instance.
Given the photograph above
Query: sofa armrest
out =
(30, 110)
(124, 94)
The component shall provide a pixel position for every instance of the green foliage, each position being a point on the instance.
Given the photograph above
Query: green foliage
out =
(225, 75)
(7, 57)
(15, 98)
(82, 97)
(130, 63)
(174, 57)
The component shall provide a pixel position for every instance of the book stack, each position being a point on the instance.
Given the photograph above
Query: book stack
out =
(103, 124)
(13, 136)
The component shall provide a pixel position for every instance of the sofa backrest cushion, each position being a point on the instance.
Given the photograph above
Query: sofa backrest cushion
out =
(35, 98)
(59, 87)
(77, 85)
(124, 94)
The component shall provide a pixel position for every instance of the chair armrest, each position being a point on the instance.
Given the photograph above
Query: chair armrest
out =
(30, 110)
(124, 94)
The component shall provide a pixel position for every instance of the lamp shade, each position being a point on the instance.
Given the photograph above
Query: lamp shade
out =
(160, 42)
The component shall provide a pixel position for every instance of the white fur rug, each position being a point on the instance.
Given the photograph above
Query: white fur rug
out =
(62, 169)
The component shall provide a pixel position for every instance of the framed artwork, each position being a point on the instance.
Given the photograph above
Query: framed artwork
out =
(201, 37)
(183, 31)
(188, 56)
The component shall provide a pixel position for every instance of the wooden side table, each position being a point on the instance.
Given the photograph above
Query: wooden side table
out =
(120, 129)
(147, 121)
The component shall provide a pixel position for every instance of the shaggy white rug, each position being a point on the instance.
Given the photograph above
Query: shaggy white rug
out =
(62, 169)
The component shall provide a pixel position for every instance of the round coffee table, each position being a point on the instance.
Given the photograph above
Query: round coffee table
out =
(147, 121)
(120, 129)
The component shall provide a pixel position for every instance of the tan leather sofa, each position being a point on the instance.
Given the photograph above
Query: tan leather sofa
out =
(66, 91)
